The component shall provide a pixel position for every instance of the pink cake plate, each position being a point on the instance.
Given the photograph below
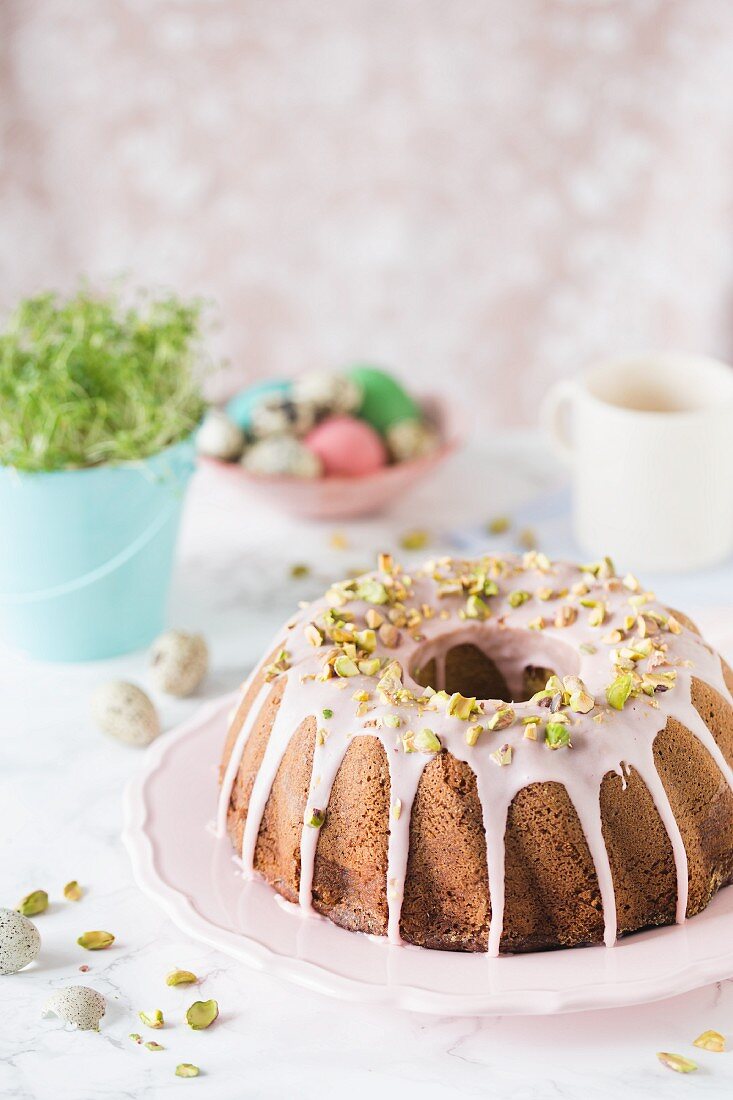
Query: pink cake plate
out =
(179, 862)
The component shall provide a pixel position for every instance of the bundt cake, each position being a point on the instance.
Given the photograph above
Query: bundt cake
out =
(377, 772)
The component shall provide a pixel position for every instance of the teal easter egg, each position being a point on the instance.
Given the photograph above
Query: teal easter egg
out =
(383, 402)
(240, 407)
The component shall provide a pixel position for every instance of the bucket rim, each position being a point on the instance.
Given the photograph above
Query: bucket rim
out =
(186, 443)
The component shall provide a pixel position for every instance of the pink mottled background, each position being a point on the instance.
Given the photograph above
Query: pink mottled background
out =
(483, 193)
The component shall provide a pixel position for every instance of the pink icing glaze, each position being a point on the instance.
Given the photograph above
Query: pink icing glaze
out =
(622, 741)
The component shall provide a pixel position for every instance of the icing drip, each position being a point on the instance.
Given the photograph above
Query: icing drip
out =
(622, 741)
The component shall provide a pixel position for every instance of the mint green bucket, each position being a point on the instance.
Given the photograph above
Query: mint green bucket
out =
(86, 555)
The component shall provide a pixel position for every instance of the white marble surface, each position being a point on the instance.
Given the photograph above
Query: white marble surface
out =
(60, 815)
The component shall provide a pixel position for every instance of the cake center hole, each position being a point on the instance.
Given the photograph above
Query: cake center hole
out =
(493, 663)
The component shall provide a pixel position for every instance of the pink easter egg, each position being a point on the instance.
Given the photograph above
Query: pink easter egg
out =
(347, 447)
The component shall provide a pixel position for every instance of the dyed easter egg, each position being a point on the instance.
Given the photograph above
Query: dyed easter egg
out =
(282, 414)
(219, 437)
(384, 402)
(410, 439)
(347, 447)
(242, 405)
(329, 394)
(282, 455)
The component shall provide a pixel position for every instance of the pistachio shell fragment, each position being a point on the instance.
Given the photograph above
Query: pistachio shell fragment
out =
(96, 941)
(185, 1069)
(202, 1014)
(710, 1040)
(73, 891)
(676, 1062)
(180, 977)
(33, 904)
(152, 1019)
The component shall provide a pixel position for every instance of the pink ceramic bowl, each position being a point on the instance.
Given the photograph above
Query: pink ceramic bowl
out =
(345, 497)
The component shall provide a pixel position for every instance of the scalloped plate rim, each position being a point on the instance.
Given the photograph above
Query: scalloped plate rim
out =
(539, 999)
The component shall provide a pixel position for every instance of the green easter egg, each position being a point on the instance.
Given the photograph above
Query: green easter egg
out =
(384, 402)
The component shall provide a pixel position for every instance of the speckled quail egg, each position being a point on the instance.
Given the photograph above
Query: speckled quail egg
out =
(219, 437)
(280, 414)
(125, 712)
(78, 1005)
(330, 394)
(178, 662)
(281, 454)
(20, 941)
(410, 439)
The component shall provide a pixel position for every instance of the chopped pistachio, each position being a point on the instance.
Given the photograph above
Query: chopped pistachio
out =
(502, 717)
(314, 817)
(185, 1069)
(385, 563)
(299, 570)
(426, 741)
(557, 734)
(472, 734)
(530, 731)
(397, 808)
(408, 741)
(373, 619)
(202, 1014)
(613, 637)
(565, 615)
(502, 756)
(598, 615)
(366, 639)
(710, 1040)
(152, 1045)
(135, 1037)
(476, 608)
(33, 904)
(631, 583)
(152, 1019)
(389, 635)
(327, 713)
(338, 541)
(344, 666)
(527, 539)
(619, 691)
(313, 635)
(414, 540)
(96, 941)
(498, 525)
(392, 720)
(588, 648)
(73, 891)
(544, 592)
(579, 700)
(674, 625)
(518, 596)
(369, 667)
(538, 623)
(371, 591)
(460, 706)
(676, 1062)
(181, 977)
